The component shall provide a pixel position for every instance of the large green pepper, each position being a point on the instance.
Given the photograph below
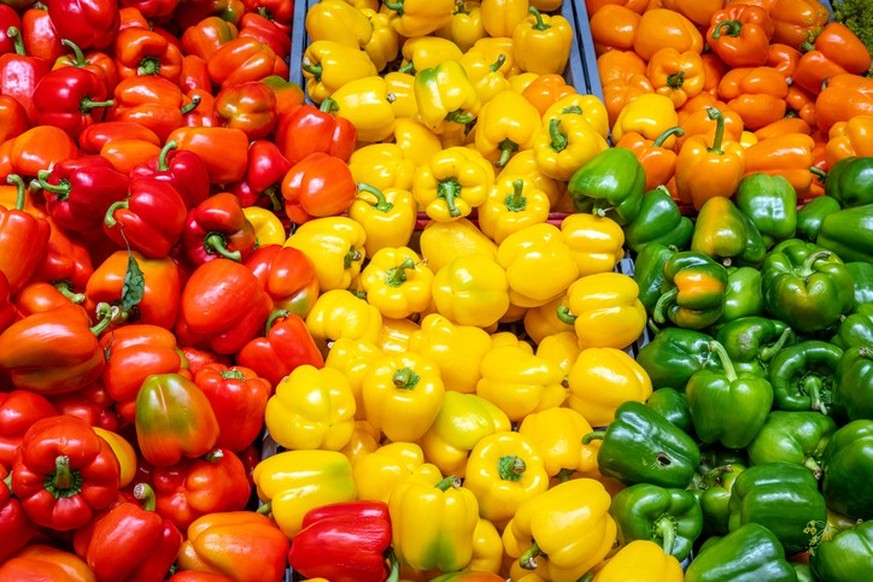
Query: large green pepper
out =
(862, 277)
(727, 407)
(797, 437)
(725, 234)
(693, 291)
(802, 375)
(813, 213)
(713, 489)
(853, 385)
(669, 517)
(610, 184)
(751, 553)
(770, 202)
(848, 557)
(850, 181)
(649, 272)
(847, 464)
(849, 233)
(660, 220)
(856, 329)
(806, 286)
(803, 572)
(785, 499)
(641, 446)
(751, 342)
(742, 296)
(674, 355)
(672, 405)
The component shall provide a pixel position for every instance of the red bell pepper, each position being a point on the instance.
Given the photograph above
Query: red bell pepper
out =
(147, 52)
(224, 150)
(287, 345)
(197, 576)
(8, 313)
(67, 259)
(23, 239)
(239, 397)
(343, 542)
(198, 358)
(288, 95)
(288, 277)
(99, 63)
(79, 191)
(133, 353)
(280, 11)
(156, 10)
(182, 169)
(19, 409)
(6, 157)
(205, 37)
(41, 38)
(150, 220)
(13, 118)
(20, 73)
(214, 290)
(151, 101)
(64, 473)
(307, 129)
(244, 59)
(40, 147)
(217, 227)
(319, 185)
(40, 296)
(52, 352)
(263, 180)
(71, 98)
(190, 13)
(16, 530)
(199, 109)
(45, 563)
(249, 106)
(194, 74)
(8, 18)
(91, 404)
(258, 27)
(88, 23)
(93, 138)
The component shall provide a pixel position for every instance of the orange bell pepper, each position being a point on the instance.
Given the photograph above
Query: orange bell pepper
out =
(813, 71)
(756, 93)
(797, 21)
(676, 75)
(699, 12)
(713, 71)
(850, 138)
(224, 150)
(788, 155)
(838, 43)
(704, 171)
(545, 90)
(788, 124)
(783, 58)
(661, 28)
(594, 6)
(658, 161)
(124, 154)
(698, 122)
(40, 148)
(41, 562)
(244, 59)
(623, 77)
(740, 35)
(845, 97)
(614, 27)
(802, 103)
(617, 65)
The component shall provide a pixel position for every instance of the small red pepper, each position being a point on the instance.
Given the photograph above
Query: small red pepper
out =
(249, 106)
(41, 38)
(88, 23)
(23, 239)
(146, 52)
(91, 404)
(263, 180)
(319, 185)
(239, 397)
(20, 73)
(71, 98)
(182, 169)
(19, 409)
(288, 277)
(217, 227)
(16, 530)
(308, 129)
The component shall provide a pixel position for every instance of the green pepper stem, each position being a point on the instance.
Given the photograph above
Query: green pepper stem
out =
(450, 482)
(352, 256)
(405, 378)
(507, 148)
(587, 577)
(819, 173)
(460, 7)
(394, 575)
(62, 189)
(664, 302)
(811, 464)
(806, 46)
(87, 104)
(328, 105)
(277, 314)
(213, 456)
(718, 140)
(408, 68)
(265, 508)
(540, 25)
(811, 385)
(565, 315)
(458, 116)
(63, 482)
(77, 52)
(188, 108)
(163, 166)
(216, 243)
(395, 5)
(528, 559)
(149, 66)
(314, 70)
(516, 202)
(733, 29)
(724, 358)
(448, 190)
(20, 192)
(109, 217)
(676, 80)
(559, 139)
(382, 203)
(511, 468)
(564, 475)
(495, 66)
(659, 141)
(232, 375)
(14, 33)
(146, 495)
(108, 316)
(65, 288)
(276, 201)
(666, 530)
(766, 353)
(396, 276)
(807, 268)
(593, 436)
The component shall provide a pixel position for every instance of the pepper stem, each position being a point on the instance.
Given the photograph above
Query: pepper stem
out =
(214, 243)
(328, 105)
(62, 189)
(188, 108)
(666, 529)
(109, 217)
(507, 147)
(408, 68)
(77, 52)
(163, 166)
(559, 139)
(20, 192)
(819, 173)
(594, 435)
(811, 385)
(495, 66)
(724, 358)
(807, 268)
(65, 288)
(382, 203)
(718, 139)
(314, 70)
(395, 5)
(149, 66)
(676, 80)
(144, 493)
(458, 116)
(277, 314)
(540, 25)
(394, 575)
(565, 315)
(811, 464)
(450, 482)
(405, 378)
(14, 33)
(733, 29)
(448, 190)
(659, 141)
(564, 475)
(352, 256)
(516, 202)
(265, 508)
(511, 468)
(112, 313)
(663, 303)
(63, 482)
(528, 559)
(232, 375)
(396, 276)
(460, 7)
(87, 104)
(766, 353)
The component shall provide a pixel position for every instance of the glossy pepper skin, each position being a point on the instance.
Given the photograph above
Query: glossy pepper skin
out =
(811, 216)
(844, 557)
(48, 562)
(152, 218)
(87, 23)
(71, 98)
(610, 300)
(770, 202)
(844, 232)
(724, 233)
(797, 437)
(855, 329)
(286, 345)
(674, 355)
(852, 384)
(752, 342)
(506, 123)
(803, 375)
(541, 43)
(335, 245)
(16, 530)
(183, 169)
(215, 228)
(452, 183)
(848, 180)
(389, 221)
(740, 35)
(445, 96)
(17, 225)
(846, 459)
(238, 398)
(397, 282)
(743, 294)
(750, 552)
(288, 277)
(319, 185)
(693, 291)
(658, 161)
(611, 184)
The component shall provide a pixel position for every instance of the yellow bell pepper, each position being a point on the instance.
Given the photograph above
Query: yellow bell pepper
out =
(641, 561)
(396, 334)
(590, 107)
(328, 65)
(557, 434)
(650, 115)
(542, 43)
(507, 123)
(367, 105)
(605, 310)
(402, 395)
(562, 348)
(568, 526)
(513, 204)
(382, 165)
(452, 183)
(466, 26)
(269, 229)
(387, 215)
(445, 96)
(365, 440)
(525, 164)
(503, 471)
(293, 482)
(500, 17)
(546, 5)
(353, 358)
(397, 282)
(513, 314)
(597, 242)
(419, 17)
(401, 89)
(463, 421)
(340, 313)
(384, 44)
(487, 548)
(427, 52)
(378, 473)
(519, 382)
(442, 242)
(433, 524)
(336, 246)
(457, 350)
(338, 21)
(417, 142)
(487, 76)
(543, 321)
(498, 48)
(565, 144)
(601, 379)
(539, 264)
(520, 81)
(311, 409)
(471, 290)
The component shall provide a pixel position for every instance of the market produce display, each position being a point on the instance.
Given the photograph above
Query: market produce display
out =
(358, 291)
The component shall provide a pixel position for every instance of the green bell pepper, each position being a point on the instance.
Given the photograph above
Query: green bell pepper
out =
(850, 181)
(812, 214)
(751, 342)
(660, 221)
(785, 499)
(610, 184)
(641, 446)
(849, 233)
(770, 202)
(669, 517)
(797, 437)
(672, 405)
(862, 277)
(806, 286)
(853, 385)
(802, 375)
(847, 465)
(848, 557)
(693, 291)
(713, 490)
(725, 234)
(803, 572)
(674, 355)
(856, 329)
(725, 406)
(751, 553)
(649, 272)
(742, 296)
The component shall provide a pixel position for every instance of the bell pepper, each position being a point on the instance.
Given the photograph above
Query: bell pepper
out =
(141, 51)
(613, 28)
(848, 448)
(641, 446)
(849, 139)
(270, 32)
(643, 559)
(514, 203)
(223, 150)
(595, 242)
(382, 165)
(676, 75)
(452, 183)
(182, 169)
(154, 102)
(789, 156)
(507, 123)
(16, 530)
(286, 345)
(18, 410)
(378, 472)
(152, 218)
(338, 21)
(442, 242)
(306, 129)
(649, 272)
(543, 321)
(204, 38)
(488, 76)
(756, 93)
(8, 17)
(204, 298)
(427, 52)
(861, 275)
(48, 563)
(595, 368)
(740, 35)
(564, 144)
(856, 328)
(751, 551)
(466, 25)
(803, 375)
(659, 221)
(445, 95)
(328, 65)
(261, 185)
(390, 221)
(471, 290)
(305, 190)
(500, 17)
(793, 437)
(71, 98)
(249, 106)
(610, 299)
(650, 115)
(238, 545)
(611, 184)
(693, 291)
(672, 405)
(752, 341)
(541, 528)
(20, 73)
(814, 71)
(843, 557)
(88, 24)
(659, 162)
(770, 202)
(335, 246)
(847, 179)
(725, 233)
(16, 225)
(589, 107)
(541, 43)
(852, 384)
(383, 45)
(397, 283)
(797, 22)
(835, 227)
(417, 18)
(244, 59)
(269, 229)
(812, 214)
(217, 228)
(94, 137)
(365, 103)
(338, 314)
(557, 434)
(14, 117)
(661, 28)
(838, 43)
(238, 398)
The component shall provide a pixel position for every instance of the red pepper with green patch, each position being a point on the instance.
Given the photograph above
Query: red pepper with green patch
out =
(286, 345)
(217, 227)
